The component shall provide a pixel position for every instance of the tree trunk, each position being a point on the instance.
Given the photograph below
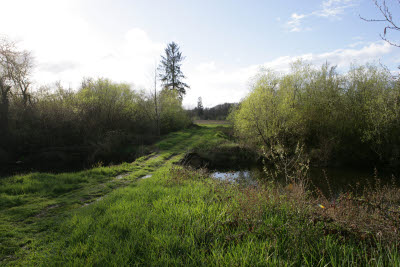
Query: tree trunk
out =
(4, 107)
(157, 111)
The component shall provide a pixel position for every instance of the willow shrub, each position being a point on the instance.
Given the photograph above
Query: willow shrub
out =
(101, 121)
(348, 118)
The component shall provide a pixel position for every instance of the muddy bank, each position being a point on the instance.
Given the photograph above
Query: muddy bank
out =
(222, 157)
(241, 165)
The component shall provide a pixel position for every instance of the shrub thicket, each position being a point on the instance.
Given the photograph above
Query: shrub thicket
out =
(101, 121)
(349, 118)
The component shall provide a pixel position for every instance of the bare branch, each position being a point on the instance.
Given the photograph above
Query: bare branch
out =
(16, 67)
(387, 17)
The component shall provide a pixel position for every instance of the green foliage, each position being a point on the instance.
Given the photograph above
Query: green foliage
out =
(173, 117)
(348, 118)
(105, 105)
(102, 121)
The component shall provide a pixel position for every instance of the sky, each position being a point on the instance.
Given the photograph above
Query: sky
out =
(225, 42)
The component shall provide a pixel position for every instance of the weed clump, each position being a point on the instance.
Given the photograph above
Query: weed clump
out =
(178, 175)
(372, 215)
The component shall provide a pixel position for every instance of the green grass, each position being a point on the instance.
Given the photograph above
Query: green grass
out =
(176, 217)
(214, 123)
(33, 205)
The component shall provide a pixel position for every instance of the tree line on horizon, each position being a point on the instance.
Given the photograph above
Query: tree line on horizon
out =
(218, 112)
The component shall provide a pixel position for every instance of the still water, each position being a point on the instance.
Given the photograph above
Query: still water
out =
(331, 182)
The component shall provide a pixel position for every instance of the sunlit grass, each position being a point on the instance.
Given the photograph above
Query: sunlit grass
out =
(213, 123)
(32, 205)
(107, 216)
(182, 217)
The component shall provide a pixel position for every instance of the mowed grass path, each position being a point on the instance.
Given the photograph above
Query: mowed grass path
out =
(177, 217)
(212, 123)
(33, 206)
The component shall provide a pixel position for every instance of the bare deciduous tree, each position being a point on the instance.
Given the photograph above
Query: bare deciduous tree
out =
(4, 104)
(15, 71)
(5, 86)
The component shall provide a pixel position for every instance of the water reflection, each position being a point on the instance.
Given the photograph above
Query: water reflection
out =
(242, 177)
(329, 182)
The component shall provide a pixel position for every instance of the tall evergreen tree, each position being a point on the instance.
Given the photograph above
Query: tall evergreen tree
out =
(200, 108)
(170, 74)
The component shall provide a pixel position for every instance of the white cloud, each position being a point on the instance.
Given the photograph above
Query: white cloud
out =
(206, 66)
(340, 57)
(332, 9)
(295, 21)
(355, 44)
(217, 86)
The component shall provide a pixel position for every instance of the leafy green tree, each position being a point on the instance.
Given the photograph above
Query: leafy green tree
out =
(171, 74)
(173, 116)
(105, 105)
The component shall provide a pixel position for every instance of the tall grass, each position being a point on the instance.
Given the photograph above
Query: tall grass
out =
(33, 205)
(182, 217)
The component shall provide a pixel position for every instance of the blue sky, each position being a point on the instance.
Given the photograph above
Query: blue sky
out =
(225, 42)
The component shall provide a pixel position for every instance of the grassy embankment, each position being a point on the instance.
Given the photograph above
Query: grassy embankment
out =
(176, 217)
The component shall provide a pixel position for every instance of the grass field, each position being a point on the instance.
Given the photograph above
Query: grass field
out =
(108, 216)
(212, 122)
